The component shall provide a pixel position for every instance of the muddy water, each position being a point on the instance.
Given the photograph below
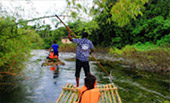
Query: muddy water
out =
(44, 85)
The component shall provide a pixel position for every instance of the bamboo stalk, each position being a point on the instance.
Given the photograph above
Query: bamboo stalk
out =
(69, 94)
(102, 94)
(74, 93)
(66, 95)
(61, 94)
(113, 95)
(77, 96)
(106, 101)
(119, 99)
(109, 93)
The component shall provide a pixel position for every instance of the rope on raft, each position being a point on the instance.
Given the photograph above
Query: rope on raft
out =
(109, 94)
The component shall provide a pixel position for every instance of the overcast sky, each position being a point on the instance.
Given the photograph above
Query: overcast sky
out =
(39, 8)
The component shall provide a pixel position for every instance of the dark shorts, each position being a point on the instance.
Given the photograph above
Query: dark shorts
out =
(56, 53)
(85, 66)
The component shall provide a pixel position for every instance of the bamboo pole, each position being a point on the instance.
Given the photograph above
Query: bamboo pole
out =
(69, 94)
(113, 95)
(119, 99)
(109, 93)
(65, 95)
(106, 94)
(77, 96)
(74, 93)
(66, 26)
(102, 94)
(61, 94)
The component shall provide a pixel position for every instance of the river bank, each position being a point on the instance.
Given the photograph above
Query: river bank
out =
(149, 58)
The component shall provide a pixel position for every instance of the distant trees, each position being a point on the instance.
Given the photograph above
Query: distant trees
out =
(124, 22)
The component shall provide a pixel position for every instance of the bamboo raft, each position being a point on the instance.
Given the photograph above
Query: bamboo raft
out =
(52, 63)
(109, 94)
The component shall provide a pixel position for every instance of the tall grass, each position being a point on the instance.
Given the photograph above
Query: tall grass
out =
(146, 56)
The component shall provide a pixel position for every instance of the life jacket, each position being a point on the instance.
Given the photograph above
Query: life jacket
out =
(89, 96)
(53, 68)
(51, 56)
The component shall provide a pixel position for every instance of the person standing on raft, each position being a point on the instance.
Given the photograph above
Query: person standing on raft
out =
(84, 48)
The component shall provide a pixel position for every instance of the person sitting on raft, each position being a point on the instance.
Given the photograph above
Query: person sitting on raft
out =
(51, 55)
(89, 93)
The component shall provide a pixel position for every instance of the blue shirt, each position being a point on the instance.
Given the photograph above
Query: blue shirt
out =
(83, 48)
(55, 47)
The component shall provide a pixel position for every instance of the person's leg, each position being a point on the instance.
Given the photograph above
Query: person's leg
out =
(77, 81)
(78, 69)
(86, 68)
(56, 54)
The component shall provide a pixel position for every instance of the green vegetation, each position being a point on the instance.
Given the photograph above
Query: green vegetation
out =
(146, 56)
(140, 33)
(16, 42)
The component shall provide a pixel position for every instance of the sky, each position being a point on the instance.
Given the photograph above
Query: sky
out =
(39, 8)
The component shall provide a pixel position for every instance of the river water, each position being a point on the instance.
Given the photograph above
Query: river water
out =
(44, 85)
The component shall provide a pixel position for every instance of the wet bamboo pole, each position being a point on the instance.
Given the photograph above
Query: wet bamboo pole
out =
(110, 97)
(117, 94)
(103, 99)
(69, 94)
(77, 96)
(61, 94)
(74, 93)
(113, 94)
(63, 100)
(105, 94)
(119, 99)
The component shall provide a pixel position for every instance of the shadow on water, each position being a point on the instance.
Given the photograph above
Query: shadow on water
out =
(44, 85)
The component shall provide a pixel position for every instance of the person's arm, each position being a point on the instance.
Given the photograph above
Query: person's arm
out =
(69, 35)
(50, 48)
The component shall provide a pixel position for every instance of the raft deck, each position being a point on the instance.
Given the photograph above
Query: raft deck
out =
(52, 63)
(109, 94)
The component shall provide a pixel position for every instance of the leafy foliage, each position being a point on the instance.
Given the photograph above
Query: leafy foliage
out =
(125, 10)
(15, 43)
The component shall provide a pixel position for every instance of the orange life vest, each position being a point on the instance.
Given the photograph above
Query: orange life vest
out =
(53, 68)
(89, 96)
(51, 56)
